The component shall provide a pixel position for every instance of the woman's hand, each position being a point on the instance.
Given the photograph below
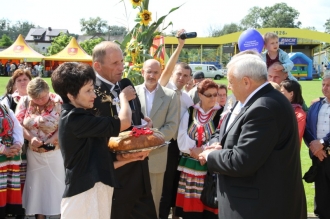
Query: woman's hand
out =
(12, 150)
(194, 152)
(36, 142)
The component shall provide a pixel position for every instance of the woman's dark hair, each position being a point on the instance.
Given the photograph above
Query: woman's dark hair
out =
(10, 86)
(294, 86)
(70, 77)
(205, 85)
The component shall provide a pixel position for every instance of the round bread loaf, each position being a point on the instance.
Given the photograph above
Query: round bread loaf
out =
(136, 139)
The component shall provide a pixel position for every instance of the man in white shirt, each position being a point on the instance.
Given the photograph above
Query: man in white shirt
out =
(317, 138)
(180, 76)
(162, 105)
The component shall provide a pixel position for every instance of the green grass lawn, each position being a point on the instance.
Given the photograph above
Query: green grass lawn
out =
(311, 90)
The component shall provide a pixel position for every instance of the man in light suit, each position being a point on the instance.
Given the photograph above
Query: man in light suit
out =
(259, 171)
(162, 106)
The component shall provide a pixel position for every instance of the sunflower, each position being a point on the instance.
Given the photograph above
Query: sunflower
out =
(136, 3)
(145, 16)
(161, 61)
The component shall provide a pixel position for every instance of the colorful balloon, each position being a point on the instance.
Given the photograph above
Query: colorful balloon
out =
(251, 39)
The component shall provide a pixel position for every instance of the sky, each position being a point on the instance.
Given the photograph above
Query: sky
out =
(194, 15)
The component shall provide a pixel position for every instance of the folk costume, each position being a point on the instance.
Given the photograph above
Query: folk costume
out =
(196, 128)
(11, 133)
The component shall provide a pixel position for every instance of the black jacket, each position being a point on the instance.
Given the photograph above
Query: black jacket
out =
(133, 177)
(259, 165)
(83, 140)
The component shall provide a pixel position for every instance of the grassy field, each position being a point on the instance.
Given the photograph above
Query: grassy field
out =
(311, 90)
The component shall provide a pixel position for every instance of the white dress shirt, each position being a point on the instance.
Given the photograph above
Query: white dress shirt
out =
(149, 98)
(323, 121)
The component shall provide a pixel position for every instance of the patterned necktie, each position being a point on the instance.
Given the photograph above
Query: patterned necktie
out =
(116, 91)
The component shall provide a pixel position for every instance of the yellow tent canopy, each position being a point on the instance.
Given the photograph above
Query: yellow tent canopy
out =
(22, 51)
(72, 52)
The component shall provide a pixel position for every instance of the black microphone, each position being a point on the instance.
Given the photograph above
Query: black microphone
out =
(125, 82)
(189, 35)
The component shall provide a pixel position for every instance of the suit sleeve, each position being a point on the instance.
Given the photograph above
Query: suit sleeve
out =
(172, 118)
(256, 141)
(309, 134)
(87, 125)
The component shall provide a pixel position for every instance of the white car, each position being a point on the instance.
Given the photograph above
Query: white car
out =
(210, 71)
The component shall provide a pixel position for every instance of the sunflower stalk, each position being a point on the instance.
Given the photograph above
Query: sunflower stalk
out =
(138, 41)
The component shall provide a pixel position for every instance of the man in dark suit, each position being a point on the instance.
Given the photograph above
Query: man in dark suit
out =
(133, 199)
(259, 171)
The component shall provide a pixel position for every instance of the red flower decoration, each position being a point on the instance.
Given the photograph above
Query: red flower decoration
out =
(136, 132)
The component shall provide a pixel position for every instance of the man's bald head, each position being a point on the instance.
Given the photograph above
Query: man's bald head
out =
(151, 72)
(150, 62)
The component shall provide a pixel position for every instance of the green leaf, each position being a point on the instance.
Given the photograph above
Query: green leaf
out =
(174, 9)
(167, 26)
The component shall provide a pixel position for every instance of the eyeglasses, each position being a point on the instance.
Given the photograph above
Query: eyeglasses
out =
(210, 95)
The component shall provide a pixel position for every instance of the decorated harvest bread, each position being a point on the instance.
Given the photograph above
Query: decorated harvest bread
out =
(137, 138)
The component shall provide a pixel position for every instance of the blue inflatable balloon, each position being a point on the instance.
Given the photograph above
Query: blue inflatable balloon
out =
(251, 39)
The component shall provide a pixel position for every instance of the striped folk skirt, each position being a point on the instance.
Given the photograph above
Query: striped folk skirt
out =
(190, 188)
(10, 187)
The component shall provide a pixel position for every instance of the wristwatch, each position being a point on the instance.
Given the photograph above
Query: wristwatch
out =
(322, 141)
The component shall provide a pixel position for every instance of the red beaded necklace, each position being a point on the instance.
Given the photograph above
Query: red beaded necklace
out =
(204, 118)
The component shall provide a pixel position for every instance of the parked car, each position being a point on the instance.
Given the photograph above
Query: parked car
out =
(210, 71)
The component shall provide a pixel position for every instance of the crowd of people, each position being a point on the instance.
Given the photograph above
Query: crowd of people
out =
(54, 158)
(9, 68)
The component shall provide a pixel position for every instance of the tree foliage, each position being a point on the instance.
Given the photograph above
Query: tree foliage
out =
(5, 41)
(58, 44)
(115, 30)
(88, 45)
(94, 26)
(327, 26)
(12, 30)
(280, 15)
(227, 29)
(252, 19)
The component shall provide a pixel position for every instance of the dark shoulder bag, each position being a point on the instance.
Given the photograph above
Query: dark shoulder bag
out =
(209, 193)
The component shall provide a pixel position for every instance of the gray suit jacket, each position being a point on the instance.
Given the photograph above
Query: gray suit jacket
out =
(165, 115)
(194, 94)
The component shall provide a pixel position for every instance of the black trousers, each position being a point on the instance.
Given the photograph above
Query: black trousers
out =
(322, 189)
(171, 180)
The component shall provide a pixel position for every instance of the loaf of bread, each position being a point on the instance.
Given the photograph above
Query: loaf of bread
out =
(138, 138)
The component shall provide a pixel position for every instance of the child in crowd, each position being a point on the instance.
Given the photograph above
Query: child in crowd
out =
(274, 54)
